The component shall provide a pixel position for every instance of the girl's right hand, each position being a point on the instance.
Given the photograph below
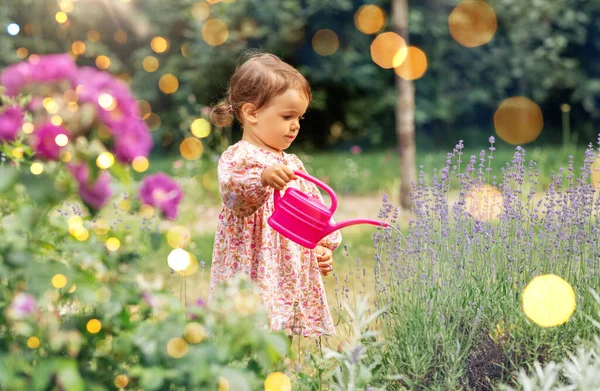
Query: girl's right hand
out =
(277, 176)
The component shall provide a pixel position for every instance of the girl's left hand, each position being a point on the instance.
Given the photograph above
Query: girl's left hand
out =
(325, 259)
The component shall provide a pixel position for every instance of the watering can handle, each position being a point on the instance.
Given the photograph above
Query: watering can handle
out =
(322, 185)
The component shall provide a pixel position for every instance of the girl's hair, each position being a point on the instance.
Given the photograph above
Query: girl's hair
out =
(258, 80)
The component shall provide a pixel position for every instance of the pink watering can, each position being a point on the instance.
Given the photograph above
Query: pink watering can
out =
(305, 220)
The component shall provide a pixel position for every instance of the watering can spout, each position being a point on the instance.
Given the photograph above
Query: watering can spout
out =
(343, 224)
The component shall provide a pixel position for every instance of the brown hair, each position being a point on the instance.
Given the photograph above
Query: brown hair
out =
(258, 80)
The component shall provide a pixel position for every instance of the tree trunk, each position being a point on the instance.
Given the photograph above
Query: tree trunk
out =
(405, 113)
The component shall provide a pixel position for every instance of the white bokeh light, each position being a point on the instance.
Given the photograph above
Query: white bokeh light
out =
(178, 259)
(13, 29)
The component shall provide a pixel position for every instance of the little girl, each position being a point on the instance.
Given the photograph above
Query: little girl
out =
(269, 98)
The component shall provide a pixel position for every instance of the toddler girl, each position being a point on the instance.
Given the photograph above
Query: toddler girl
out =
(269, 98)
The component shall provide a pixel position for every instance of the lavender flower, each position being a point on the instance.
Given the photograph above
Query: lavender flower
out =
(161, 192)
(96, 194)
(44, 141)
(11, 121)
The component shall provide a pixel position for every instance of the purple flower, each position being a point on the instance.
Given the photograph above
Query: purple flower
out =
(93, 194)
(44, 141)
(161, 192)
(11, 121)
(52, 68)
(132, 139)
(200, 302)
(356, 149)
(22, 305)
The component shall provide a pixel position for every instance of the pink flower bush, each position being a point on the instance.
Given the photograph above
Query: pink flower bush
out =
(132, 140)
(161, 192)
(11, 121)
(37, 70)
(44, 141)
(94, 194)
(22, 305)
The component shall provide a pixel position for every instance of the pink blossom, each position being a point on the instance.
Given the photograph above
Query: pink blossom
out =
(51, 68)
(132, 139)
(96, 194)
(161, 192)
(44, 141)
(356, 149)
(22, 305)
(11, 121)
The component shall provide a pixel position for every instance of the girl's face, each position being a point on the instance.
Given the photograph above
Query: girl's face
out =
(276, 125)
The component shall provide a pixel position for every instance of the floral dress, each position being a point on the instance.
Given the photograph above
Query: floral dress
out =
(286, 273)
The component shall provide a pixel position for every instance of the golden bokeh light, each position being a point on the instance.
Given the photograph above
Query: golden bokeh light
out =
(472, 23)
(140, 164)
(388, 50)
(17, 152)
(595, 177)
(177, 347)
(103, 295)
(78, 48)
(369, 19)
(141, 109)
(191, 268)
(22, 52)
(66, 5)
(28, 128)
(325, 42)
(518, 120)
(81, 234)
(100, 227)
(61, 17)
(73, 288)
(278, 381)
(153, 121)
(61, 140)
(168, 83)
(484, 202)
(36, 168)
(50, 105)
(178, 259)
(33, 343)
(56, 120)
(200, 128)
(75, 221)
(72, 107)
(121, 381)
(150, 64)
(200, 11)
(66, 156)
(214, 32)
(105, 160)
(414, 65)
(120, 36)
(59, 281)
(159, 44)
(94, 36)
(147, 211)
(103, 62)
(194, 332)
(191, 148)
(178, 236)
(549, 301)
(185, 50)
(107, 102)
(223, 384)
(113, 244)
(93, 326)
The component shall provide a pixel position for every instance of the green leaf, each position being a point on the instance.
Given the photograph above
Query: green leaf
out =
(8, 175)
(151, 379)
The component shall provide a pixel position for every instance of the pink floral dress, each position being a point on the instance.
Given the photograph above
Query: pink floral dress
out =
(286, 273)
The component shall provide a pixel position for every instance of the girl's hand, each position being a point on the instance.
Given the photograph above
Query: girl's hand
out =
(325, 259)
(277, 176)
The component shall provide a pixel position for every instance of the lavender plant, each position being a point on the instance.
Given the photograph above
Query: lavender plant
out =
(453, 284)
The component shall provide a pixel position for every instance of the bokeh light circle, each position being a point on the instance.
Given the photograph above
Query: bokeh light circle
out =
(113, 244)
(168, 83)
(36, 168)
(178, 236)
(200, 128)
(159, 44)
(549, 301)
(140, 164)
(472, 23)
(484, 202)
(150, 64)
(369, 19)
(194, 332)
(200, 11)
(121, 381)
(178, 259)
(177, 347)
(103, 62)
(325, 42)
(93, 326)
(214, 32)
(388, 50)
(191, 268)
(518, 120)
(278, 381)
(191, 148)
(59, 281)
(33, 343)
(100, 227)
(414, 65)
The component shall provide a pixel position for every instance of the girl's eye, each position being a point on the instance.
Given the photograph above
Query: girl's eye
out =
(286, 117)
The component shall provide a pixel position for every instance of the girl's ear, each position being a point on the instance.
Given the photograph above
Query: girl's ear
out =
(250, 113)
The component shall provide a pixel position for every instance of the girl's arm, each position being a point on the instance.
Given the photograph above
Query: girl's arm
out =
(240, 184)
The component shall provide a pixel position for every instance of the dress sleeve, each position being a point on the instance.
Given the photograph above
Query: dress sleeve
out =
(240, 183)
(334, 239)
